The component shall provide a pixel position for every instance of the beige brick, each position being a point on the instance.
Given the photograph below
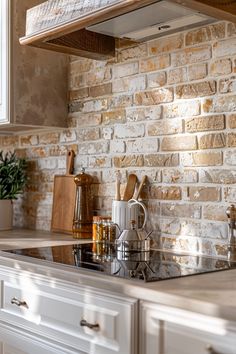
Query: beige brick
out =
(135, 52)
(130, 84)
(193, 108)
(191, 55)
(221, 67)
(231, 29)
(231, 140)
(179, 143)
(48, 138)
(219, 176)
(204, 194)
(128, 161)
(61, 150)
(99, 76)
(212, 141)
(88, 134)
(113, 117)
(214, 213)
(161, 160)
(230, 194)
(177, 75)
(185, 210)
(77, 81)
(165, 127)
(99, 162)
(78, 94)
(199, 89)
(205, 34)
(232, 121)
(79, 66)
(202, 159)
(167, 44)
(220, 104)
(126, 69)
(230, 157)
(30, 140)
(129, 131)
(9, 141)
(228, 85)
(85, 120)
(67, 136)
(92, 148)
(158, 96)
(156, 79)
(180, 176)
(197, 71)
(94, 106)
(165, 193)
(204, 123)
(224, 48)
(120, 101)
(145, 113)
(100, 90)
(154, 175)
(155, 63)
(146, 145)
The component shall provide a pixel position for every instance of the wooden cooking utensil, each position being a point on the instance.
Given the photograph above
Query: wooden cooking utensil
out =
(64, 195)
(142, 183)
(130, 187)
(118, 179)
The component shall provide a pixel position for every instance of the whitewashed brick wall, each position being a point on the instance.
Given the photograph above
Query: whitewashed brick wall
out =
(165, 108)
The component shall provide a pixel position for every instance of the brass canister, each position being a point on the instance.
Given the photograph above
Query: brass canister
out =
(83, 214)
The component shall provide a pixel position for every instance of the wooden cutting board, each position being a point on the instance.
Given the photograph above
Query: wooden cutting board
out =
(64, 194)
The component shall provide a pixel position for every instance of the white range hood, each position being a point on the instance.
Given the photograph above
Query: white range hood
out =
(155, 20)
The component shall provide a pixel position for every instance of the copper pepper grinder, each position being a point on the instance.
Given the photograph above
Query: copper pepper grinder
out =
(83, 216)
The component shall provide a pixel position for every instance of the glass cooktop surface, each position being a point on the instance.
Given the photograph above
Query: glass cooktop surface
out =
(147, 266)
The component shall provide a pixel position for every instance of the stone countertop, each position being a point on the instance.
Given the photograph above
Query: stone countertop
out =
(211, 294)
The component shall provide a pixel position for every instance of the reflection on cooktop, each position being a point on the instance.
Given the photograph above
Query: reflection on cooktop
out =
(148, 266)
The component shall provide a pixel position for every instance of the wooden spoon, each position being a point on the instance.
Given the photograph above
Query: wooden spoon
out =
(130, 187)
(143, 181)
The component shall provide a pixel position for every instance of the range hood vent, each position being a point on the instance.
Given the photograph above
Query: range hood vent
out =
(156, 20)
(88, 28)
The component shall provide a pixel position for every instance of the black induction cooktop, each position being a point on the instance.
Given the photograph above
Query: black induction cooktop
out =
(147, 266)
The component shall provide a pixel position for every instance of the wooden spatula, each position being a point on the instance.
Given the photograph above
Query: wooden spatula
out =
(130, 187)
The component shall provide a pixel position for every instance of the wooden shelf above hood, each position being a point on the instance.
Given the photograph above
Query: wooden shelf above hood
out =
(60, 26)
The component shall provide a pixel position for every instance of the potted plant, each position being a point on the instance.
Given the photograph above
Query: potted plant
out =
(12, 183)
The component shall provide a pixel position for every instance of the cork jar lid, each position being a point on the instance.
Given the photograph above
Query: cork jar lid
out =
(83, 179)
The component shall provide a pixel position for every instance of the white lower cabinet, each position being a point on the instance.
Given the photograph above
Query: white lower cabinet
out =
(75, 318)
(167, 330)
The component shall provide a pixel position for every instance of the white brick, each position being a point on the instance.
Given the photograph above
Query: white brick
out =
(144, 113)
(117, 146)
(131, 84)
(125, 70)
(129, 131)
(142, 145)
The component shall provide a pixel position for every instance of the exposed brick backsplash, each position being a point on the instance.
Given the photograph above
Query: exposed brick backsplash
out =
(165, 108)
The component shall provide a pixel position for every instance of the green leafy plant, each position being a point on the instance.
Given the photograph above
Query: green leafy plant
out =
(12, 175)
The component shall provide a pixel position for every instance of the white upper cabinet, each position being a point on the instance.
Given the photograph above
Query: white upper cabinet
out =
(5, 58)
(33, 81)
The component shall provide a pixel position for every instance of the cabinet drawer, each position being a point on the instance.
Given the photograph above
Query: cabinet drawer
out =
(169, 330)
(81, 319)
(183, 340)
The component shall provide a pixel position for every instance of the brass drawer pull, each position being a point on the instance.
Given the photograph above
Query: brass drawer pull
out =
(84, 323)
(211, 350)
(19, 303)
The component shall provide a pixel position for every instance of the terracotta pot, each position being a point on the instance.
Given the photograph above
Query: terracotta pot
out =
(6, 214)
